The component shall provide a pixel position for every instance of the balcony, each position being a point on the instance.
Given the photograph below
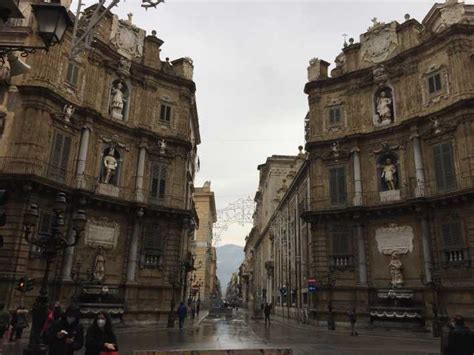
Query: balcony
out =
(406, 193)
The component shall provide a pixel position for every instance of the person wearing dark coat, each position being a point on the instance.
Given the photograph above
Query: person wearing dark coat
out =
(267, 310)
(182, 313)
(100, 336)
(66, 335)
(19, 322)
(460, 338)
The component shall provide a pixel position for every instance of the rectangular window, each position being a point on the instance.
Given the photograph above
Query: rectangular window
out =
(337, 185)
(72, 76)
(434, 83)
(334, 116)
(342, 252)
(152, 245)
(444, 166)
(453, 242)
(165, 113)
(59, 158)
(158, 181)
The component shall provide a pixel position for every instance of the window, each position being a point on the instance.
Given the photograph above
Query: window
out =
(453, 243)
(444, 167)
(158, 181)
(165, 113)
(152, 245)
(72, 75)
(434, 83)
(337, 185)
(59, 158)
(334, 116)
(342, 253)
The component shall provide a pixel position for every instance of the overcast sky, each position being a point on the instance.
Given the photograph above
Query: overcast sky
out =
(250, 61)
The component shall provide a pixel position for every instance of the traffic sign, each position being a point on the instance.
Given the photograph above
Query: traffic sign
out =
(311, 285)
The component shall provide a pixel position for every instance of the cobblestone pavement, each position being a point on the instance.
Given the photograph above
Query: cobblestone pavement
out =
(240, 332)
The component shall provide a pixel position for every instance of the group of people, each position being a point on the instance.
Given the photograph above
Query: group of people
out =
(63, 332)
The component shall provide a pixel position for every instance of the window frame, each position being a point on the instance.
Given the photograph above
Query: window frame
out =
(450, 252)
(339, 201)
(441, 177)
(435, 82)
(333, 119)
(158, 171)
(155, 253)
(74, 69)
(165, 113)
(63, 158)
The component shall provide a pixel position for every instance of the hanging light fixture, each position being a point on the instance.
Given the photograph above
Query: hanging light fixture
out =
(53, 21)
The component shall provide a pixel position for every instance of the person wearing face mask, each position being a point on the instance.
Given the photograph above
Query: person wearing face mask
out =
(66, 335)
(100, 336)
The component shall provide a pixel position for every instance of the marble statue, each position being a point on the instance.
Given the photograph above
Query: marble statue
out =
(5, 68)
(99, 265)
(68, 111)
(389, 171)
(162, 145)
(118, 101)
(384, 108)
(396, 267)
(110, 165)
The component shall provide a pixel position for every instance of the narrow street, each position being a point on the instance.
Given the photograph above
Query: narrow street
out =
(240, 332)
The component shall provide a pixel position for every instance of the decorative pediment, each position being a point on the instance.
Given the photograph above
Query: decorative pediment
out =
(386, 147)
(336, 153)
(127, 38)
(379, 42)
(438, 130)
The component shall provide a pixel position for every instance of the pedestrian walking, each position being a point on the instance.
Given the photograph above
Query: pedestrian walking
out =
(66, 335)
(460, 340)
(267, 310)
(198, 306)
(100, 336)
(58, 311)
(351, 314)
(193, 309)
(47, 323)
(4, 324)
(182, 313)
(19, 322)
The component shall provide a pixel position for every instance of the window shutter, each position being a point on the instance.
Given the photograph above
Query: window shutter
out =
(333, 185)
(65, 157)
(437, 81)
(341, 241)
(153, 242)
(162, 187)
(431, 84)
(452, 235)
(155, 180)
(341, 185)
(448, 166)
(438, 166)
(163, 112)
(168, 113)
(55, 158)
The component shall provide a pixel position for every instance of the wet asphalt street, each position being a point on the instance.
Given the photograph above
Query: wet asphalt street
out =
(240, 332)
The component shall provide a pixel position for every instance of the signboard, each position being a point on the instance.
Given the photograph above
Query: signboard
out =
(311, 285)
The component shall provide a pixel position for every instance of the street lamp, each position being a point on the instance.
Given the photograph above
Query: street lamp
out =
(49, 244)
(52, 20)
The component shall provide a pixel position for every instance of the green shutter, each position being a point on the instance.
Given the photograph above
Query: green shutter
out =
(341, 185)
(162, 186)
(155, 180)
(452, 235)
(444, 167)
(152, 240)
(333, 186)
(65, 157)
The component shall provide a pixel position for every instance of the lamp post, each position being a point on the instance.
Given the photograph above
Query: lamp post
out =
(50, 244)
(52, 20)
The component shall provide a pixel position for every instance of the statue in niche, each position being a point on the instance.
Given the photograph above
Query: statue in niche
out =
(162, 145)
(110, 165)
(396, 267)
(99, 265)
(118, 100)
(389, 174)
(68, 111)
(384, 107)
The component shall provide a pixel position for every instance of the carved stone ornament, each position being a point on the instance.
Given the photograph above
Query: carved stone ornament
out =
(336, 153)
(379, 42)
(394, 239)
(102, 233)
(114, 141)
(127, 38)
(99, 265)
(452, 12)
(396, 267)
(385, 147)
(124, 66)
(379, 74)
(68, 111)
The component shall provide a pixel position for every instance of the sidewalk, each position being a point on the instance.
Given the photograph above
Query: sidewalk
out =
(345, 329)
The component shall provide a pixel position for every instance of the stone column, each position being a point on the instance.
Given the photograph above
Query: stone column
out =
(425, 236)
(81, 160)
(68, 256)
(140, 173)
(419, 170)
(362, 260)
(357, 201)
(133, 251)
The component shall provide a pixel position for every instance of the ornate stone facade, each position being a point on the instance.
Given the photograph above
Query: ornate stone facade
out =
(117, 130)
(391, 208)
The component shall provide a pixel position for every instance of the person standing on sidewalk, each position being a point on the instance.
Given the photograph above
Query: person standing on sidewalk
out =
(460, 340)
(182, 313)
(100, 336)
(351, 314)
(4, 324)
(18, 323)
(267, 310)
(66, 335)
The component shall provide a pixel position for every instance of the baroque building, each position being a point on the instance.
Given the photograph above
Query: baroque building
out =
(115, 128)
(390, 201)
(203, 281)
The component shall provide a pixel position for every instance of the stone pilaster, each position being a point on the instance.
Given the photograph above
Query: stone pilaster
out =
(82, 158)
(140, 173)
(362, 260)
(357, 201)
(419, 169)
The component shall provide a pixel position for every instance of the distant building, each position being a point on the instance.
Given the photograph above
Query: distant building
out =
(203, 278)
